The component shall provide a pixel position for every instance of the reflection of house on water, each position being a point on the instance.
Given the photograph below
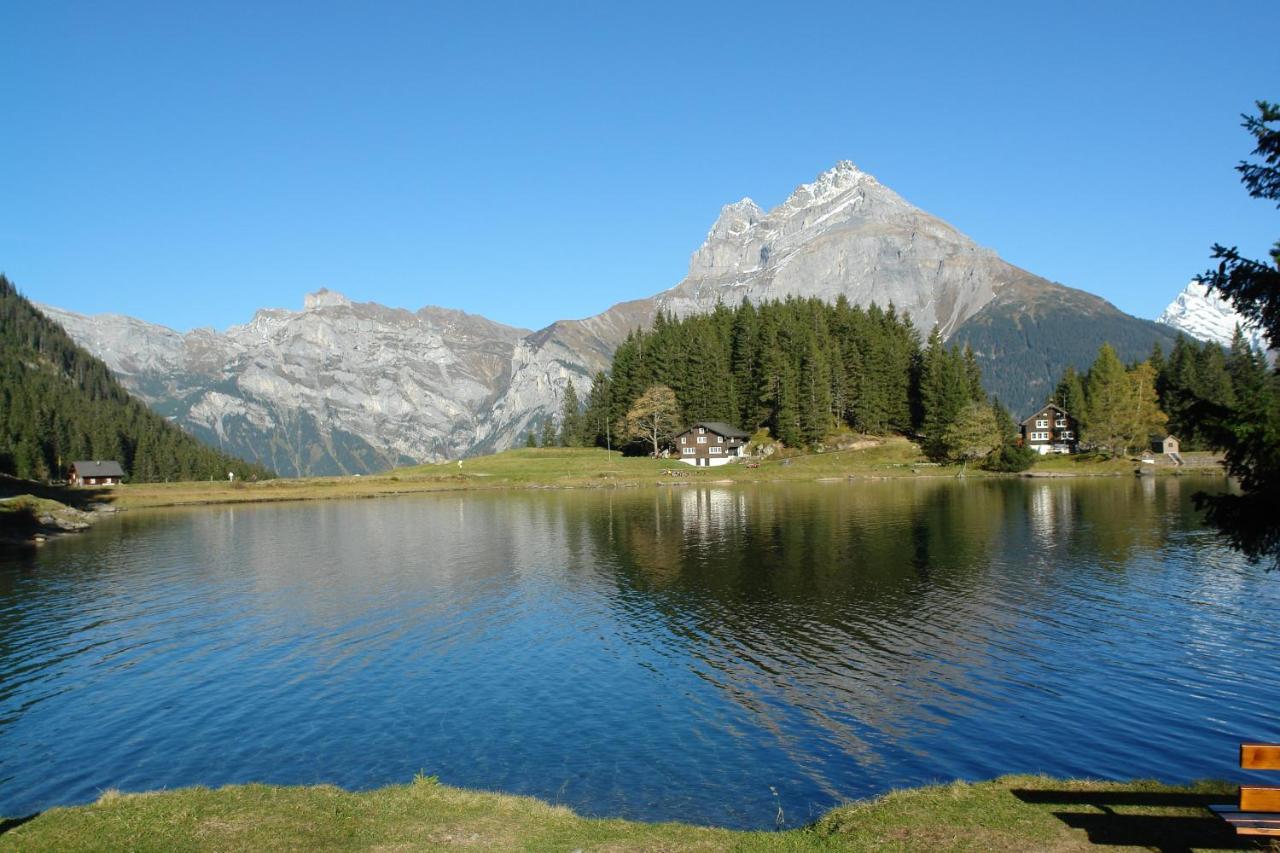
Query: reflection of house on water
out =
(1051, 513)
(707, 513)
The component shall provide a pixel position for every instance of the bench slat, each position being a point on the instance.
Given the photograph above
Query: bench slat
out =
(1248, 823)
(1254, 798)
(1260, 756)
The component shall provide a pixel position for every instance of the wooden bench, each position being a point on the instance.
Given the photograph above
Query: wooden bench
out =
(1258, 812)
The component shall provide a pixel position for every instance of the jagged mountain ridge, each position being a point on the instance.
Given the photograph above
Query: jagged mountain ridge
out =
(297, 391)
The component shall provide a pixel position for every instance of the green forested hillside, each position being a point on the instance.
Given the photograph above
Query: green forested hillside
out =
(59, 404)
(1026, 337)
(800, 367)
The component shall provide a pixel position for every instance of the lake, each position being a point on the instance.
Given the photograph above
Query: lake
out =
(740, 656)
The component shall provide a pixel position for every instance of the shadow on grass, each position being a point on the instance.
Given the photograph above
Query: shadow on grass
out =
(11, 823)
(1137, 826)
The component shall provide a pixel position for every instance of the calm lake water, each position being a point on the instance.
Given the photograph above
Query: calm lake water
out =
(658, 653)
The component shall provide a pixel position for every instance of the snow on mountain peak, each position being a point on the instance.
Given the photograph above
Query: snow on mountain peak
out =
(1208, 317)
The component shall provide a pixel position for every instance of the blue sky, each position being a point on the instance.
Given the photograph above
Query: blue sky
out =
(189, 163)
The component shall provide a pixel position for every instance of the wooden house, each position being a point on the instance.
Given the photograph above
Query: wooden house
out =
(710, 443)
(1051, 430)
(100, 473)
(1167, 445)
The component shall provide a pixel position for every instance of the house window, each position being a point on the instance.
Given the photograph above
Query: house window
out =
(1067, 434)
(702, 439)
(1039, 436)
(684, 439)
(1041, 423)
(714, 450)
(719, 439)
(701, 430)
(688, 451)
(1060, 423)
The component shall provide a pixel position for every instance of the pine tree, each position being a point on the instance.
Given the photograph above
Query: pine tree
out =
(1070, 395)
(597, 421)
(570, 418)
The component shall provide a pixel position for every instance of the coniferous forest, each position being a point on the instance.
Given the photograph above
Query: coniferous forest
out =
(799, 368)
(59, 404)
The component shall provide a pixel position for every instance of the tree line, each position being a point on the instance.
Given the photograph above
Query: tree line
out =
(1120, 408)
(59, 404)
(799, 368)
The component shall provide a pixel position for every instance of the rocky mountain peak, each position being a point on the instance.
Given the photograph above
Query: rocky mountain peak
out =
(840, 178)
(734, 220)
(1208, 317)
(324, 298)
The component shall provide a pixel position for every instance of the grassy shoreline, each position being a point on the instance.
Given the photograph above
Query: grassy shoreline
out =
(562, 468)
(1013, 813)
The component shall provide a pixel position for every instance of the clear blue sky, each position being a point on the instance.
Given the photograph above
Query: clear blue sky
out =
(187, 163)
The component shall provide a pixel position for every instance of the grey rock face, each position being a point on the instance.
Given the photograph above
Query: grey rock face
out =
(335, 388)
(343, 387)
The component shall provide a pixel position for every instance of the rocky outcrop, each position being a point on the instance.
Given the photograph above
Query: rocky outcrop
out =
(338, 387)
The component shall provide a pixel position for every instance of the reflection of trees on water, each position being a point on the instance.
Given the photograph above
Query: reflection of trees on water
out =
(860, 613)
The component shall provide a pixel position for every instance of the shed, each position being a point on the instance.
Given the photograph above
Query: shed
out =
(1168, 445)
(95, 473)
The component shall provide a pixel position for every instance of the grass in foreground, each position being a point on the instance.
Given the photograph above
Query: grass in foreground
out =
(1015, 813)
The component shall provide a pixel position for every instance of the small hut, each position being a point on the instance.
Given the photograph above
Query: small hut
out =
(1167, 445)
(99, 473)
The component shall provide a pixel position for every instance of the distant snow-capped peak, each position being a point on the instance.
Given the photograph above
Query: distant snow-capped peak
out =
(1208, 317)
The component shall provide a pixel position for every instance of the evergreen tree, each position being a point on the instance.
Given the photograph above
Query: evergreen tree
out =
(597, 421)
(549, 436)
(570, 418)
(1070, 395)
(1249, 431)
(531, 439)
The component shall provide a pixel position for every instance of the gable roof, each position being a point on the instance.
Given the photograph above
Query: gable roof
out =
(1046, 407)
(721, 428)
(103, 468)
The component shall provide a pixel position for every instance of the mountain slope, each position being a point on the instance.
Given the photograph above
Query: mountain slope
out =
(1027, 336)
(59, 404)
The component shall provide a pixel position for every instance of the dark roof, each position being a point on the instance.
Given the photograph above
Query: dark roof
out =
(721, 428)
(102, 468)
(1044, 408)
